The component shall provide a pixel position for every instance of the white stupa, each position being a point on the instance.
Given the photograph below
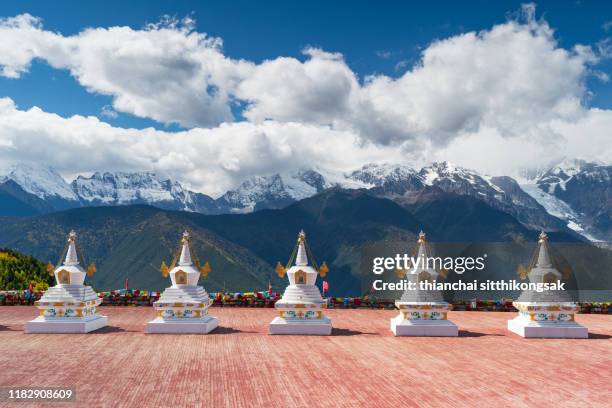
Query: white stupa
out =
(183, 307)
(549, 313)
(69, 306)
(301, 307)
(422, 312)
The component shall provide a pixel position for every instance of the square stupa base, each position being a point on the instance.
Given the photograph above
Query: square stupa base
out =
(423, 328)
(282, 326)
(41, 325)
(185, 326)
(552, 330)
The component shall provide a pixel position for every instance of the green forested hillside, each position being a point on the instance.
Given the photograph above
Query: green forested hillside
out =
(131, 242)
(17, 271)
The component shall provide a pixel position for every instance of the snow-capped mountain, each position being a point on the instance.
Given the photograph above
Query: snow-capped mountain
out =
(43, 182)
(121, 188)
(503, 193)
(394, 179)
(28, 190)
(574, 195)
(570, 174)
(274, 191)
(579, 192)
(388, 179)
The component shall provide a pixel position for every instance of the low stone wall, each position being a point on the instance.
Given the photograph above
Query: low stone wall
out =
(136, 297)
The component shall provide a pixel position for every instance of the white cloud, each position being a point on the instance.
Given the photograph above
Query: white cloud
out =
(209, 160)
(513, 78)
(216, 159)
(167, 72)
(315, 91)
(401, 65)
(490, 152)
(107, 111)
(494, 100)
(22, 40)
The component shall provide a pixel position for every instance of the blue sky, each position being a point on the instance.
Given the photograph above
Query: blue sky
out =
(500, 87)
(375, 37)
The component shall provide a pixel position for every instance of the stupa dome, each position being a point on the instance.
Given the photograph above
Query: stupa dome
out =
(70, 272)
(185, 272)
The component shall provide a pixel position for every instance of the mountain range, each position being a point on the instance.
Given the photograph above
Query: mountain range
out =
(572, 197)
(131, 241)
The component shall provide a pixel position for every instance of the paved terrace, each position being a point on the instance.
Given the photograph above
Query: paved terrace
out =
(361, 364)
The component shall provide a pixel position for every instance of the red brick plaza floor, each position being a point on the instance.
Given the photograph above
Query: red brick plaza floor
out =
(361, 364)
